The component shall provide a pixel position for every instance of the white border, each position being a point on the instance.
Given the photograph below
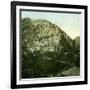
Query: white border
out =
(55, 79)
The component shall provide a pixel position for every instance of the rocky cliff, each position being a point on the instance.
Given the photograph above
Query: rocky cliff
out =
(47, 48)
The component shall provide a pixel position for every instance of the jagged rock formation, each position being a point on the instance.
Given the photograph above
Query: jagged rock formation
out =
(45, 36)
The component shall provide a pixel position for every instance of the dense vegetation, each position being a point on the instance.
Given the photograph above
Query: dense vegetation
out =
(47, 51)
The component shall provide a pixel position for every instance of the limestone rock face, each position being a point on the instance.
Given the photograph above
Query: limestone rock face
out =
(45, 36)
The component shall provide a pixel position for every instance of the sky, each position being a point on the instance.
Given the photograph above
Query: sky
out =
(68, 22)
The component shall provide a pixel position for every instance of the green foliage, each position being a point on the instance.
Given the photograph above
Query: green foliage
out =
(25, 23)
(47, 51)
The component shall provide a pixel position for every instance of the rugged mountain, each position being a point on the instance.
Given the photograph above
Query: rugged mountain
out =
(77, 42)
(46, 49)
(45, 36)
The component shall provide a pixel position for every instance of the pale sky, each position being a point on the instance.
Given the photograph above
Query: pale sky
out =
(68, 22)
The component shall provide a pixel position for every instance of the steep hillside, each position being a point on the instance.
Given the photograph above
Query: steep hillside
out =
(46, 49)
